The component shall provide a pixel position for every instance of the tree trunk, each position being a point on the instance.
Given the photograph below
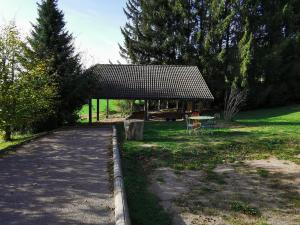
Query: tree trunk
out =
(7, 134)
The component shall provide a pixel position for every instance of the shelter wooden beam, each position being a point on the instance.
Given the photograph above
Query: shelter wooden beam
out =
(146, 114)
(90, 111)
(98, 109)
(107, 108)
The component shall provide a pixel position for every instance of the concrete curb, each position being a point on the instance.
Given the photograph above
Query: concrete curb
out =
(121, 208)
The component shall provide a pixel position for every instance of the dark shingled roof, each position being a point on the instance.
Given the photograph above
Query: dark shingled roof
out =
(150, 82)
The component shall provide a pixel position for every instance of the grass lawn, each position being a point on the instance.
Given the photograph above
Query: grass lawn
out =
(16, 140)
(84, 112)
(256, 135)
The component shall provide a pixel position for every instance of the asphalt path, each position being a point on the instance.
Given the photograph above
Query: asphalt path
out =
(61, 178)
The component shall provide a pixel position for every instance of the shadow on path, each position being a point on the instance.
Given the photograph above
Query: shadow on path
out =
(59, 179)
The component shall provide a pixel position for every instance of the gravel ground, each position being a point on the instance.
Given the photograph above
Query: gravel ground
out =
(59, 179)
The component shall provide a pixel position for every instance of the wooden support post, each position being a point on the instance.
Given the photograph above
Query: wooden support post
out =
(167, 105)
(146, 106)
(98, 109)
(90, 111)
(177, 104)
(158, 105)
(107, 108)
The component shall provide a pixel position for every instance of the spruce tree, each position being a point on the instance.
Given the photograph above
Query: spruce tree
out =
(51, 42)
(148, 34)
(249, 43)
(132, 34)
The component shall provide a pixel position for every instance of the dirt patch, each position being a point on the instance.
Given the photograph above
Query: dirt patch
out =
(288, 172)
(254, 192)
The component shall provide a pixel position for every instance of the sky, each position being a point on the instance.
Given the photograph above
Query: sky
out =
(95, 25)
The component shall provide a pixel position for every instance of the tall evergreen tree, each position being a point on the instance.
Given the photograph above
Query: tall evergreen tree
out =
(132, 34)
(247, 43)
(148, 35)
(51, 42)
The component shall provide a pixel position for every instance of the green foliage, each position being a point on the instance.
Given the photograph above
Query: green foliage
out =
(246, 56)
(125, 106)
(253, 44)
(50, 42)
(26, 94)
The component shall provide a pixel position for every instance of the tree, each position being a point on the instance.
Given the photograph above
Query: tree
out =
(26, 95)
(234, 100)
(251, 44)
(51, 42)
(132, 34)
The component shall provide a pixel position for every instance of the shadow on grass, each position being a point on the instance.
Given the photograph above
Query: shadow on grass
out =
(144, 207)
(258, 123)
(265, 114)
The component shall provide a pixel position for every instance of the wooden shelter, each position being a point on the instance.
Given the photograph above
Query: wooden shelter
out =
(148, 82)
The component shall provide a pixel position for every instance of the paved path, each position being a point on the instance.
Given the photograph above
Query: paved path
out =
(60, 179)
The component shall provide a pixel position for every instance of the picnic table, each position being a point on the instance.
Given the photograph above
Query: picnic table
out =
(194, 122)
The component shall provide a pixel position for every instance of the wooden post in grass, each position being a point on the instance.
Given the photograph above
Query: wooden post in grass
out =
(107, 108)
(98, 109)
(90, 111)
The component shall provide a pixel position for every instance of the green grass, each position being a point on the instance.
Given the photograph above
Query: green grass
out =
(262, 172)
(244, 208)
(143, 205)
(84, 112)
(16, 140)
(256, 134)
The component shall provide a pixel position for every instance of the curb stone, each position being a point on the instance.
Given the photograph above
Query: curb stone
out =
(121, 208)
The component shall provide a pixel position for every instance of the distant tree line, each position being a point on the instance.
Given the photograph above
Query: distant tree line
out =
(42, 81)
(247, 44)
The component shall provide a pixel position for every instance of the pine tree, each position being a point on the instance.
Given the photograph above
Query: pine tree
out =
(148, 34)
(184, 21)
(246, 56)
(132, 34)
(245, 43)
(51, 42)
